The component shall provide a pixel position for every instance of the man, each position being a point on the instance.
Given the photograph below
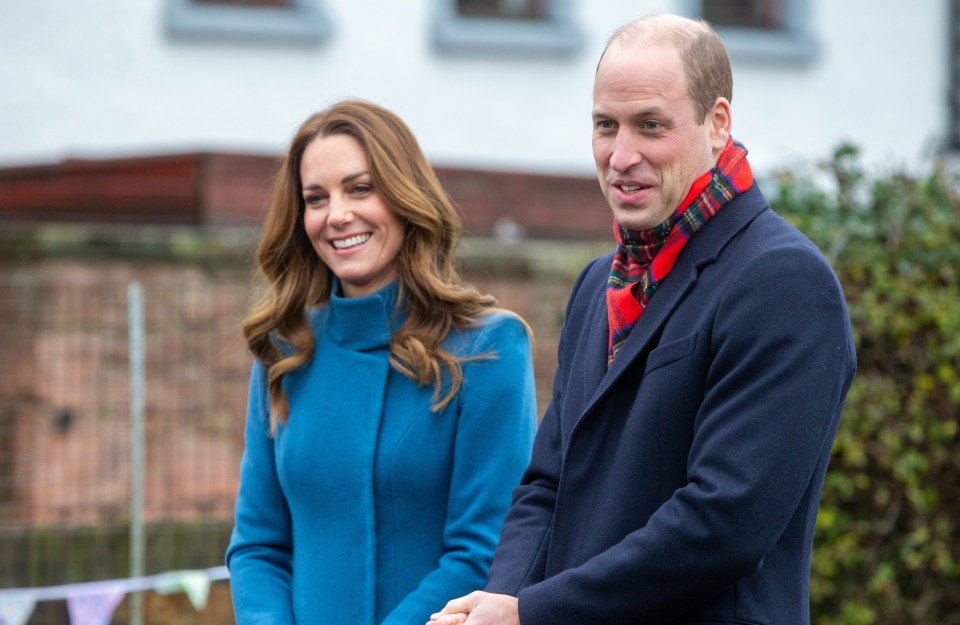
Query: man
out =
(702, 370)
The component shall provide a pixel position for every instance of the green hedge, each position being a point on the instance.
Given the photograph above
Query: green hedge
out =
(887, 549)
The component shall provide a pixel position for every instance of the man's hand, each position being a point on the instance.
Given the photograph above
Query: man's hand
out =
(479, 608)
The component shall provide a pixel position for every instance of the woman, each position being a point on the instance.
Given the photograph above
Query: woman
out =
(391, 408)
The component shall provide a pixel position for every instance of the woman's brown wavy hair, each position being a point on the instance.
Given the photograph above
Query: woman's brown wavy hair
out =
(429, 282)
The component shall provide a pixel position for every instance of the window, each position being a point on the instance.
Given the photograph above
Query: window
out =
(503, 9)
(745, 14)
(775, 30)
(953, 132)
(273, 20)
(248, 3)
(511, 26)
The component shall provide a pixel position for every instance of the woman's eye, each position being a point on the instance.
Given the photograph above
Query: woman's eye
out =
(362, 189)
(314, 199)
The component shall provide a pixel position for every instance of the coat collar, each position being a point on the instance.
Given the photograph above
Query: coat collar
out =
(362, 323)
(702, 249)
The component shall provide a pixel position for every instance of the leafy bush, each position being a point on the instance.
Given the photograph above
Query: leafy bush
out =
(887, 549)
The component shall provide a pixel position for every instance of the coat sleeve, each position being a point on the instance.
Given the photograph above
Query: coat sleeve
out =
(782, 362)
(521, 553)
(261, 547)
(496, 425)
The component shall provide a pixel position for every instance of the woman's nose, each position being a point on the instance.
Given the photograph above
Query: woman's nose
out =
(340, 212)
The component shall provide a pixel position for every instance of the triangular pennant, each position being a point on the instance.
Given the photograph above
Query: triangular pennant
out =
(95, 608)
(196, 584)
(16, 609)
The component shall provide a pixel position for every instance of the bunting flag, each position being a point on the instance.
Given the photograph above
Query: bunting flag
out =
(16, 610)
(93, 603)
(196, 585)
(95, 608)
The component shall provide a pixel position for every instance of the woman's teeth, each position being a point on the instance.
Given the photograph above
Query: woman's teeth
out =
(342, 244)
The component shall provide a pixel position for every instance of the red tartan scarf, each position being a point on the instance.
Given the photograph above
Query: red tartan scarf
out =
(644, 258)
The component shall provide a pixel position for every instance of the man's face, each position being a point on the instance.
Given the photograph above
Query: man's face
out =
(647, 144)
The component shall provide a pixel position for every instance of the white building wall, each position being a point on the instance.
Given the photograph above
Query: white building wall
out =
(102, 78)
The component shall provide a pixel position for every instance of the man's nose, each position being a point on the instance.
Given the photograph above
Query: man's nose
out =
(625, 152)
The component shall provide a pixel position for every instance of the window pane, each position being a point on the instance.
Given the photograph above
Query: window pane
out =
(248, 3)
(504, 9)
(759, 14)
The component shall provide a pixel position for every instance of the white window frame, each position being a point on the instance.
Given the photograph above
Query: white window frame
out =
(557, 34)
(953, 129)
(303, 21)
(795, 43)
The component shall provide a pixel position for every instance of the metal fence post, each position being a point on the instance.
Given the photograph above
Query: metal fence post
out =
(136, 339)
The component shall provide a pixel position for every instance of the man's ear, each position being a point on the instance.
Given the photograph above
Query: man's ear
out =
(718, 117)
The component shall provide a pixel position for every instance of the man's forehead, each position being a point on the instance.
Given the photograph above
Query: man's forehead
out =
(648, 56)
(640, 73)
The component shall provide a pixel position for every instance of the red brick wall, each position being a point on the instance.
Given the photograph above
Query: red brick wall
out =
(65, 391)
(234, 189)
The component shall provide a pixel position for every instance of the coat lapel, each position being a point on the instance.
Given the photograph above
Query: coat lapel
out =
(641, 339)
(595, 365)
(701, 250)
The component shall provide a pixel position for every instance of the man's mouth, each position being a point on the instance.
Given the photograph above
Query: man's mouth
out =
(630, 187)
(347, 243)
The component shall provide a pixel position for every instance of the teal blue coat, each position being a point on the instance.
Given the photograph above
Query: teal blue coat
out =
(368, 507)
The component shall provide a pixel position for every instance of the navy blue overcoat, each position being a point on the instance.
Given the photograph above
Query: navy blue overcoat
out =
(681, 485)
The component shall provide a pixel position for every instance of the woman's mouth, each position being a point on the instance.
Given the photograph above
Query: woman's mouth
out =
(352, 241)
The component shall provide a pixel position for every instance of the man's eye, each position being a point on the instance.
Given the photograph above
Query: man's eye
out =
(652, 125)
(604, 124)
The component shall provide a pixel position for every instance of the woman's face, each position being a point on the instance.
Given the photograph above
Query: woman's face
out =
(345, 218)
